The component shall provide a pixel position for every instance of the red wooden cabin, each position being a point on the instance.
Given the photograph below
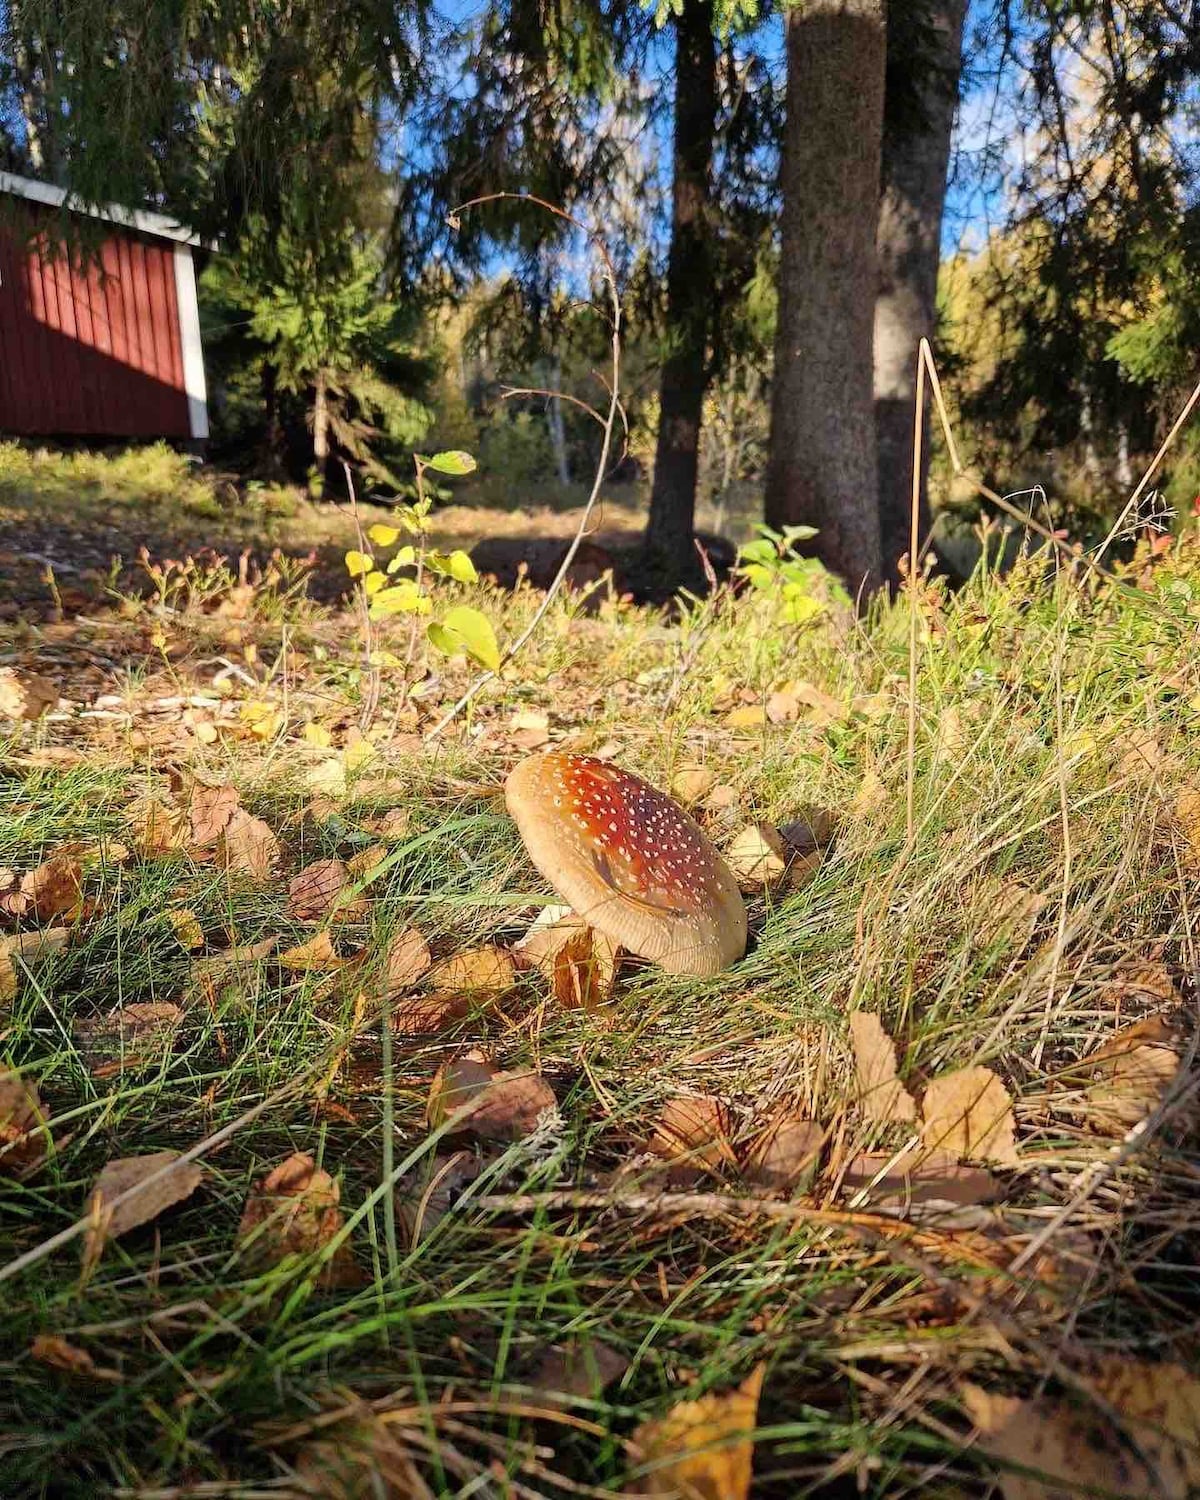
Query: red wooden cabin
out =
(101, 345)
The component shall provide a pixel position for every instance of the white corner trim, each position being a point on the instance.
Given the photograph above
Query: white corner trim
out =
(113, 213)
(189, 337)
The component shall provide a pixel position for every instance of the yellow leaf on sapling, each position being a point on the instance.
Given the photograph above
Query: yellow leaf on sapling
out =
(384, 536)
(359, 564)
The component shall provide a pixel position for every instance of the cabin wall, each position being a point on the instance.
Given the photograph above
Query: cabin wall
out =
(91, 347)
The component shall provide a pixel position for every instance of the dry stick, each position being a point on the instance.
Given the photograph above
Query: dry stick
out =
(962, 472)
(914, 545)
(373, 679)
(614, 408)
(1131, 503)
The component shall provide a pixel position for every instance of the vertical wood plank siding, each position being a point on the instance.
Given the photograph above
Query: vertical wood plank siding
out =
(90, 348)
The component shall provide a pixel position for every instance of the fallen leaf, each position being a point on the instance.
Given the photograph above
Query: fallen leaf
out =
(248, 847)
(209, 810)
(314, 892)
(823, 708)
(692, 783)
(701, 1449)
(431, 1193)
(917, 1176)
(408, 960)
(1076, 1448)
(579, 962)
(25, 695)
(392, 825)
(45, 893)
(785, 1153)
(364, 1459)
(577, 1371)
(783, 707)
(8, 975)
(1005, 909)
(23, 1134)
(316, 954)
(1187, 815)
(187, 928)
(692, 1131)
(969, 1113)
(49, 1349)
(1132, 1085)
(750, 717)
(812, 828)
(157, 829)
(484, 973)
(497, 1106)
(141, 1032)
(757, 856)
(174, 1181)
(365, 861)
(882, 1096)
(294, 1211)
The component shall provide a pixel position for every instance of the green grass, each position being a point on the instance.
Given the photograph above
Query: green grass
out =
(1033, 690)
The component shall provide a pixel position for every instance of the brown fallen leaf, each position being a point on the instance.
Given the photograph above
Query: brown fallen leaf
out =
(577, 1371)
(785, 1153)
(248, 847)
(53, 888)
(425, 1198)
(1005, 910)
(209, 810)
(494, 1105)
(8, 975)
(1074, 1447)
(484, 973)
(363, 1459)
(24, 1138)
(1187, 815)
(812, 828)
(49, 1349)
(408, 960)
(1131, 1085)
(316, 954)
(392, 825)
(157, 829)
(882, 1096)
(579, 962)
(139, 1033)
(917, 1176)
(701, 1449)
(783, 706)
(294, 1211)
(969, 1113)
(692, 1131)
(314, 892)
(757, 856)
(366, 860)
(25, 695)
(173, 1181)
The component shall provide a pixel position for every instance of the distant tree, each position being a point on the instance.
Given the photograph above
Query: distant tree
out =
(924, 58)
(822, 469)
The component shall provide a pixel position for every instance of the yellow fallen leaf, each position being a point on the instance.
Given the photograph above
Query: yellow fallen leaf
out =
(262, 720)
(752, 716)
(486, 972)
(701, 1449)
(757, 856)
(187, 928)
(317, 734)
(579, 962)
(882, 1096)
(1187, 815)
(25, 695)
(692, 783)
(969, 1113)
(316, 954)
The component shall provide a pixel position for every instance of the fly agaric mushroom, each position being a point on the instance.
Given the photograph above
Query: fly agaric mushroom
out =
(629, 860)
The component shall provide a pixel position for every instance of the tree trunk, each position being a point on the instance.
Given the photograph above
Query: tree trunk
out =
(909, 248)
(822, 463)
(554, 419)
(669, 558)
(320, 434)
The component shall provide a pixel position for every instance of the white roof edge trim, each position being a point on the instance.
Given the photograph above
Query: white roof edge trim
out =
(131, 218)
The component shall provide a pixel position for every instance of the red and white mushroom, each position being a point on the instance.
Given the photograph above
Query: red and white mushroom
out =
(629, 861)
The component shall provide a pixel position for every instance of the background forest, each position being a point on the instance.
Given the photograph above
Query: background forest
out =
(769, 183)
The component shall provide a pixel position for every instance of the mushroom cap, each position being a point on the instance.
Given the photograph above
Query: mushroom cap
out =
(629, 860)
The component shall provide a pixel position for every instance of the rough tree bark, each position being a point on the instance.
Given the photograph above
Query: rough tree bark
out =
(908, 244)
(668, 557)
(822, 469)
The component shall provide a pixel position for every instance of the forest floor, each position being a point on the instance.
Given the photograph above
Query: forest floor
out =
(314, 1184)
